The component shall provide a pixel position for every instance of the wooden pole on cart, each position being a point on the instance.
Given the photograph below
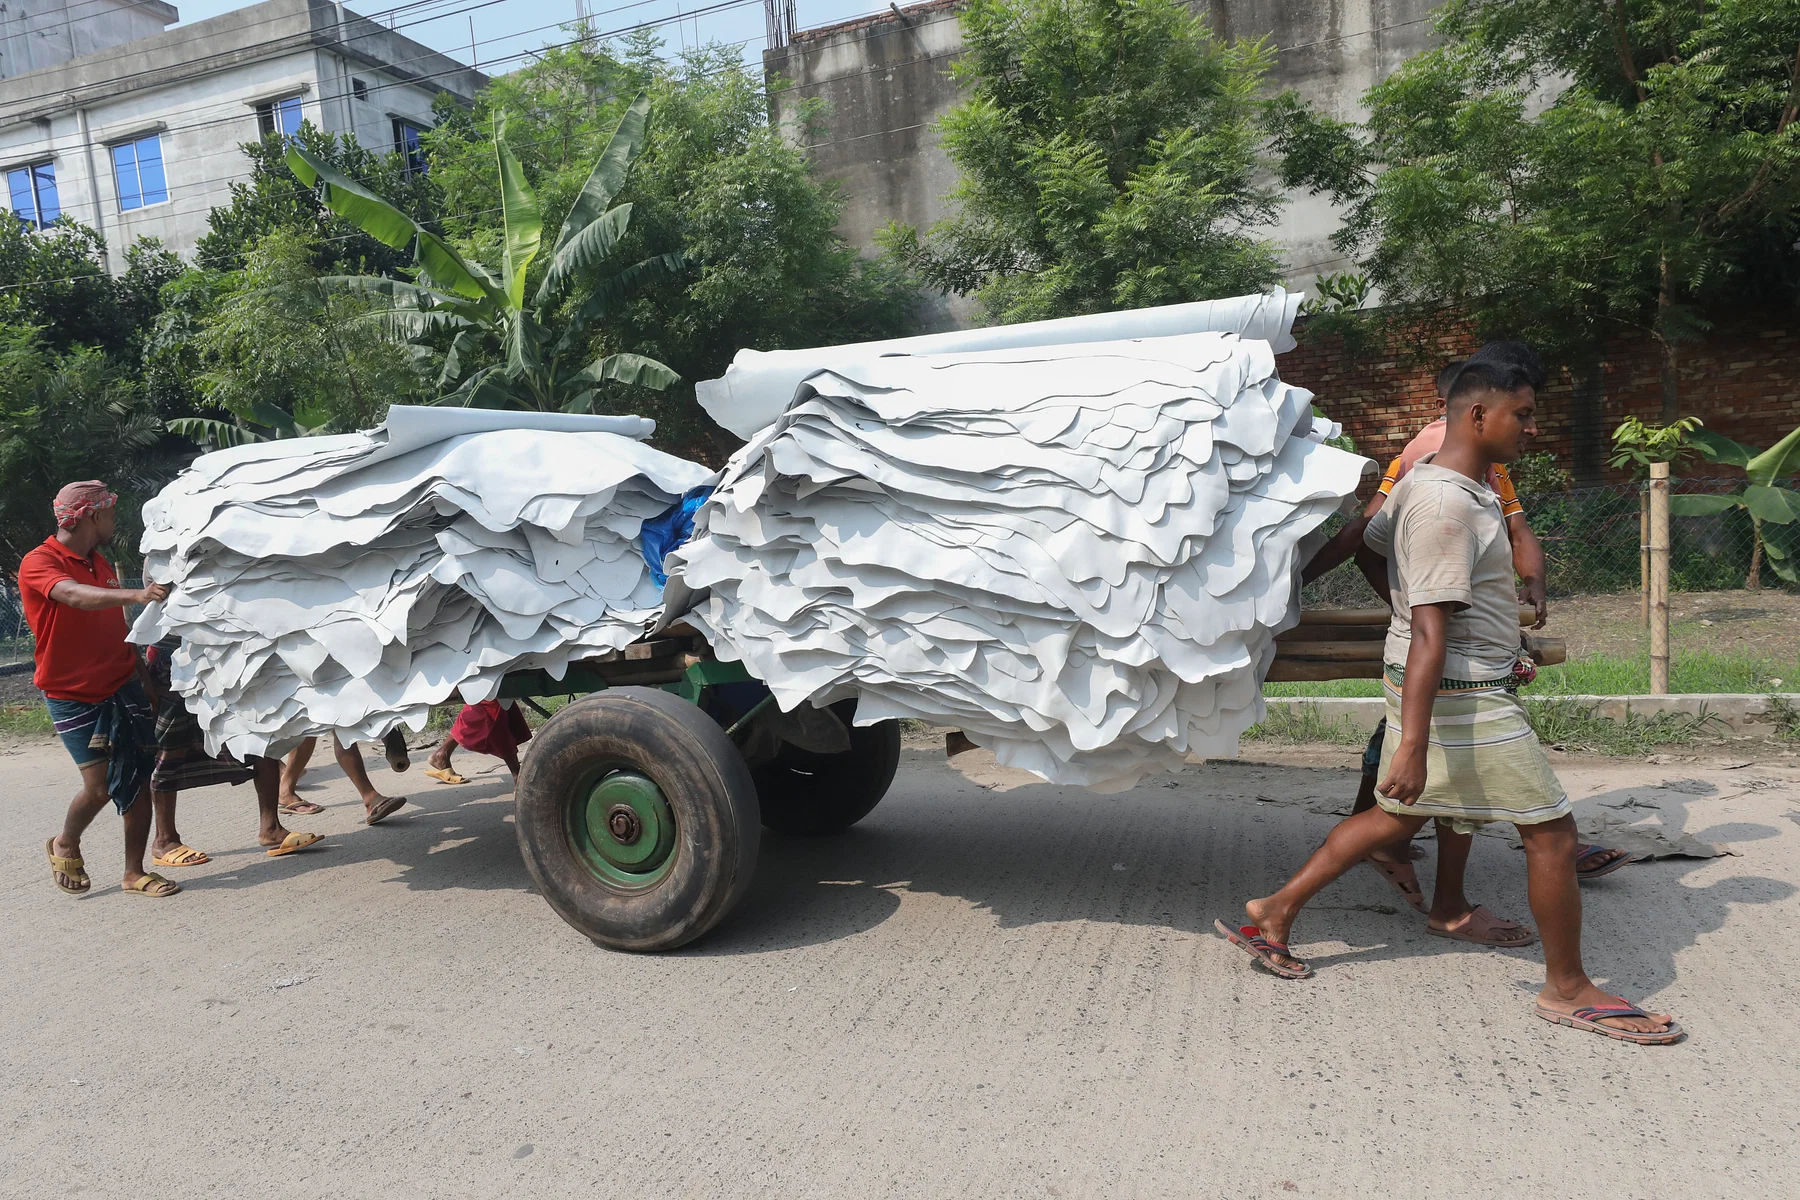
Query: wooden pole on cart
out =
(1659, 579)
(1644, 555)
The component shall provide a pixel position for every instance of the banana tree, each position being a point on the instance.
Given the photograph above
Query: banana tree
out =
(492, 347)
(1763, 498)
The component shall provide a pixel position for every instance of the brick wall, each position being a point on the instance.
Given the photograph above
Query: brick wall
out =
(1743, 380)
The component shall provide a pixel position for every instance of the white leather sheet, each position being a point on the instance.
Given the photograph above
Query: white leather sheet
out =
(1079, 554)
(347, 584)
(759, 384)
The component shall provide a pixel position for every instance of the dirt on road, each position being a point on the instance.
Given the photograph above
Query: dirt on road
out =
(975, 993)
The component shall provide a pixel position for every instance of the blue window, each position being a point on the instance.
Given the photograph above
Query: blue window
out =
(139, 166)
(407, 144)
(33, 191)
(279, 116)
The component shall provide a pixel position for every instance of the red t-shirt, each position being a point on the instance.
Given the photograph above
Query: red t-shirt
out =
(81, 654)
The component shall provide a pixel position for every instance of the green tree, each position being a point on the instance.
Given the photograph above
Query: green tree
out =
(273, 199)
(714, 184)
(278, 351)
(77, 414)
(1109, 151)
(57, 280)
(1562, 170)
(501, 350)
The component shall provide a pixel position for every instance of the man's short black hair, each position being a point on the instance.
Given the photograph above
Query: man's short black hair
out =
(1517, 355)
(1447, 376)
(1477, 377)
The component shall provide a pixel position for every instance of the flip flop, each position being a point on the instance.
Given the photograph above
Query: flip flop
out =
(71, 869)
(1405, 880)
(183, 855)
(1625, 859)
(445, 775)
(302, 808)
(385, 809)
(1588, 1021)
(293, 843)
(1480, 927)
(152, 885)
(394, 746)
(1251, 941)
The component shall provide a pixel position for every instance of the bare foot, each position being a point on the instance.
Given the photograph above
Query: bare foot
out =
(273, 837)
(1275, 926)
(1591, 996)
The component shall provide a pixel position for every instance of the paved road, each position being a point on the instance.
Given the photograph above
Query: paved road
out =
(975, 994)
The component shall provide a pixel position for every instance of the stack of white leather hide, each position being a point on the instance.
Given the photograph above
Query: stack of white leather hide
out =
(1079, 555)
(347, 584)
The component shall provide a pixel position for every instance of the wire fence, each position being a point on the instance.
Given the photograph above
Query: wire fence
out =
(1592, 539)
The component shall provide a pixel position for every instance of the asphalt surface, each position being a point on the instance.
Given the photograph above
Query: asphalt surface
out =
(975, 993)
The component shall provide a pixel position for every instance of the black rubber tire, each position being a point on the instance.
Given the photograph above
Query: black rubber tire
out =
(816, 795)
(703, 779)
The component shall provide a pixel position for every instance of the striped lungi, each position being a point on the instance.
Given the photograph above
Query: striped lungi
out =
(1483, 761)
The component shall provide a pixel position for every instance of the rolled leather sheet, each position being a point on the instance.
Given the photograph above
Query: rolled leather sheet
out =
(759, 384)
(346, 584)
(1079, 555)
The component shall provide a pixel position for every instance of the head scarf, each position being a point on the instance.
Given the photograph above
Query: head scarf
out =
(77, 500)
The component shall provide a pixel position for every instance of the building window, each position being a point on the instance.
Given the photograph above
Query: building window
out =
(406, 143)
(359, 89)
(33, 191)
(279, 116)
(139, 167)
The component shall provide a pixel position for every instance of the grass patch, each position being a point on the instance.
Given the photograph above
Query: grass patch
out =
(1786, 719)
(25, 720)
(1690, 673)
(1567, 724)
(1305, 723)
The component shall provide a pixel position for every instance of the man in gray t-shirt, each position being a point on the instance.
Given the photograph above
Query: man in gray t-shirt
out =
(1459, 747)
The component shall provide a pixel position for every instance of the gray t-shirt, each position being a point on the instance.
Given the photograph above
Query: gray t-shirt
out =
(1446, 542)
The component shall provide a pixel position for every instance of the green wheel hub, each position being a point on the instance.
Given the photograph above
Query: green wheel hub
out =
(623, 829)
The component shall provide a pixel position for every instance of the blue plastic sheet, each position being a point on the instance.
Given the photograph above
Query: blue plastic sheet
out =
(671, 530)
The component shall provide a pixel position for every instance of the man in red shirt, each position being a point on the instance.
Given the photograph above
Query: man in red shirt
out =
(89, 676)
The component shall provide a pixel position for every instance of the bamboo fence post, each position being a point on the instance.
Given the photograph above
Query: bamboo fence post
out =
(1659, 579)
(1644, 556)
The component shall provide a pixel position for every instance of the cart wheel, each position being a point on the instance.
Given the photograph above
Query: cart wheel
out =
(637, 818)
(816, 794)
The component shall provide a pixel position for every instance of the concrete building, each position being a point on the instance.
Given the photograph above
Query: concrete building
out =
(886, 81)
(143, 136)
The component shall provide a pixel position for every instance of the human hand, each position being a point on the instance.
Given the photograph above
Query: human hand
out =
(1405, 780)
(153, 593)
(1533, 594)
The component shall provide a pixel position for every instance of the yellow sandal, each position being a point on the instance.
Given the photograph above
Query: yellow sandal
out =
(153, 886)
(183, 855)
(70, 869)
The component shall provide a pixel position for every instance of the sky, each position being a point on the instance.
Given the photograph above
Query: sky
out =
(505, 30)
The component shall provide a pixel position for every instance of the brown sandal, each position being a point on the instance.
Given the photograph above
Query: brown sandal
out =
(1483, 929)
(69, 874)
(1405, 881)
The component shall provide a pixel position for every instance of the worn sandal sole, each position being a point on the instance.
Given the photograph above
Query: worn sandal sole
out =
(1619, 863)
(1476, 941)
(1242, 943)
(1673, 1033)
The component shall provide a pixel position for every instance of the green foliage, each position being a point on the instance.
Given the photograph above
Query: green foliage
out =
(1342, 291)
(56, 279)
(1302, 723)
(277, 351)
(66, 416)
(490, 347)
(1662, 176)
(1567, 724)
(273, 199)
(1537, 474)
(1108, 151)
(1767, 502)
(1637, 445)
(763, 266)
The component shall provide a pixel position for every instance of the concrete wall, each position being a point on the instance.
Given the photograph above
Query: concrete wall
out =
(41, 33)
(198, 86)
(886, 81)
